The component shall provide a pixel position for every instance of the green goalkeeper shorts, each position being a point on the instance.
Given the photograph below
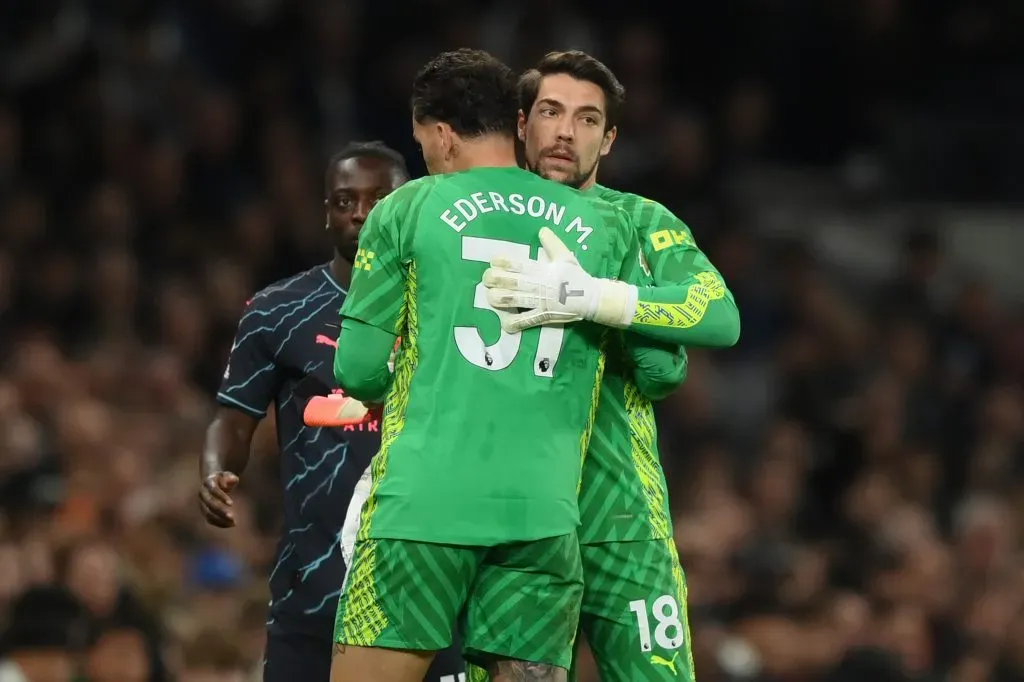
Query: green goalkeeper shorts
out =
(518, 600)
(634, 613)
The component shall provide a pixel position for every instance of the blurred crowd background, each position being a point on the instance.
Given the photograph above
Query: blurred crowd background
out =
(847, 482)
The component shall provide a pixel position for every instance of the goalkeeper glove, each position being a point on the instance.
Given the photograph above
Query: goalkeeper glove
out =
(556, 292)
(330, 411)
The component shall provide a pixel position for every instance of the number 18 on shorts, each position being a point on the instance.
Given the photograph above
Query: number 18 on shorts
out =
(634, 611)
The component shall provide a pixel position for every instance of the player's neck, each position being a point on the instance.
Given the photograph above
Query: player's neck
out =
(341, 270)
(590, 181)
(486, 151)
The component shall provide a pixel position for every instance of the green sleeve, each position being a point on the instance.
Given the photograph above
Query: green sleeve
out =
(361, 360)
(690, 304)
(377, 294)
(634, 270)
(658, 367)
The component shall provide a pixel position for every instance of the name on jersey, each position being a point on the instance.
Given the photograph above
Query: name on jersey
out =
(466, 210)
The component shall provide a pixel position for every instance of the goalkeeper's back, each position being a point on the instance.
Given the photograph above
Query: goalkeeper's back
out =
(484, 431)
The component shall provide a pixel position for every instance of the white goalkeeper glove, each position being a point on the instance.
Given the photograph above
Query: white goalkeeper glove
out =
(556, 292)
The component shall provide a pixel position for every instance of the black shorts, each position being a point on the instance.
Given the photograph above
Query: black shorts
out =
(300, 657)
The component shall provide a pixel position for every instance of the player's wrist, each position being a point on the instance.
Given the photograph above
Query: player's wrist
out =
(614, 303)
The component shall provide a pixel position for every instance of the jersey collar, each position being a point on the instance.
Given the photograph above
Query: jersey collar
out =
(326, 269)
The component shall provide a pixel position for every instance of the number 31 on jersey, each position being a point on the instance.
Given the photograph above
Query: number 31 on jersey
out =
(503, 352)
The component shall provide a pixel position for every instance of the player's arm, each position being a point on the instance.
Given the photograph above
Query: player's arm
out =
(249, 385)
(658, 367)
(374, 312)
(361, 363)
(689, 301)
(696, 309)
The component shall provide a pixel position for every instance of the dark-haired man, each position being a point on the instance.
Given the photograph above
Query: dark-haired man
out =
(634, 603)
(466, 520)
(46, 633)
(282, 356)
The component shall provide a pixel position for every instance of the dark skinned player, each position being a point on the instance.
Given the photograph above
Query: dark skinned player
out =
(281, 358)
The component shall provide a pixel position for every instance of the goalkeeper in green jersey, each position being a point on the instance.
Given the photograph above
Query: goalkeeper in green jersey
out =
(690, 305)
(469, 517)
(634, 603)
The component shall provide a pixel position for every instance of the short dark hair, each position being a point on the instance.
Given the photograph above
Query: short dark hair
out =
(45, 618)
(374, 150)
(580, 66)
(358, 150)
(470, 90)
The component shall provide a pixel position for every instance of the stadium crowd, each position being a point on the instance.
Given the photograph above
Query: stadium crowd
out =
(847, 482)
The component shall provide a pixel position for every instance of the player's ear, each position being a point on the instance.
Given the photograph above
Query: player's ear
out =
(521, 126)
(446, 136)
(609, 139)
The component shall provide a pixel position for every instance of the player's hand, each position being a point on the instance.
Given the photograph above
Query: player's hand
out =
(545, 293)
(215, 499)
(331, 411)
(555, 292)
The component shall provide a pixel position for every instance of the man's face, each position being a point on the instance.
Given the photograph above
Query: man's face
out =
(564, 133)
(93, 578)
(435, 141)
(356, 185)
(119, 656)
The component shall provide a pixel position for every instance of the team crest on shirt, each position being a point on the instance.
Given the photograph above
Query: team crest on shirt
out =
(364, 260)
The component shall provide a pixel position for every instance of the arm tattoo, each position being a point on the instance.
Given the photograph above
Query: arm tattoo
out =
(523, 671)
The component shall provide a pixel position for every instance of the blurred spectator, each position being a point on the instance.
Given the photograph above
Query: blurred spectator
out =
(119, 655)
(213, 657)
(46, 635)
(847, 483)
(91, 569)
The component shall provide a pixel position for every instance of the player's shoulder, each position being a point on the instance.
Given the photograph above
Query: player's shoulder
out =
(637, 206)
(624, 200)
(595, 202)
(416, 186)
(294, 287)
(408, 195)
(500, 179)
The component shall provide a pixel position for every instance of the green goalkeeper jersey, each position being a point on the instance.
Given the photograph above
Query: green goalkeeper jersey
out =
(624, 496)
(484, 432)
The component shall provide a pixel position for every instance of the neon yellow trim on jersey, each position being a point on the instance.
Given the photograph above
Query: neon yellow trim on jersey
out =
(594, 395)
(364, 620)
(682, 594)
(475, 674)
(690, 312)
(398, 397)
(642, 437)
